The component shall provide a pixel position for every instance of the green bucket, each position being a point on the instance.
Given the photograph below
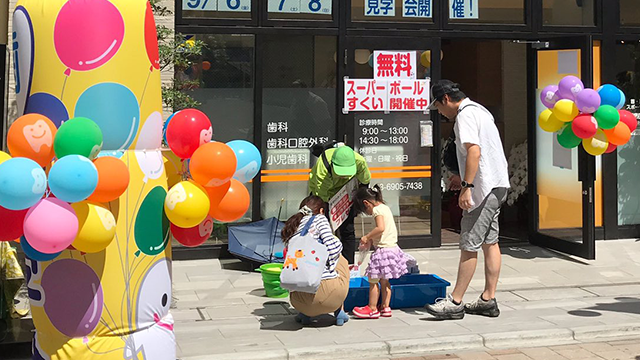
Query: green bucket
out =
(271, 280)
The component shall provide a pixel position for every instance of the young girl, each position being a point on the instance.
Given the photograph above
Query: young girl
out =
(335, 279)
(387, 261)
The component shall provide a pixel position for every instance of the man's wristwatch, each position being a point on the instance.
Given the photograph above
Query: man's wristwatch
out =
(466, 185)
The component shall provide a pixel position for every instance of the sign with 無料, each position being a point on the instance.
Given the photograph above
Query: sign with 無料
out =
(463, 9)
(340, 204)
(300, 6)
(386, 95)
(394, 65)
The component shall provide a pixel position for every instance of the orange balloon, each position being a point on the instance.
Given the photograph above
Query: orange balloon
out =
(206, 65)
(31, 136)
(619, 135)
(233, 205)
(113, 179)
(217, 193)
(213, 164)
(17, 240)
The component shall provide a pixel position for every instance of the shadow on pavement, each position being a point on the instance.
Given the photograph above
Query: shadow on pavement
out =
(627, 305)
(534, 252)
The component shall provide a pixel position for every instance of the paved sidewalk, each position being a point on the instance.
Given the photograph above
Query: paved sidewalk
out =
(546, 299)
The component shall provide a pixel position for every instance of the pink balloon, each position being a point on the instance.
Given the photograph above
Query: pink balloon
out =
(611, 148)
(88, 33)
(51, 225)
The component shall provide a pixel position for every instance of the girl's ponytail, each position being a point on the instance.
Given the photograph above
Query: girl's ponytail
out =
(377, 191)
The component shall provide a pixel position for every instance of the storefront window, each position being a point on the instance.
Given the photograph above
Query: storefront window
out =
(568, 12)
(488, 11)
(217, 9)
(300, 9)
(392, 10)
(628, 69)
(298, 111)
(629, 12)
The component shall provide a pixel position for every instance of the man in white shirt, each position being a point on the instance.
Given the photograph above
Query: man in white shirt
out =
(485, 181)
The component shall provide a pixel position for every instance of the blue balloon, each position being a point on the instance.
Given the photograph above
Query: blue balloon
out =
(49, 106)
(609, 94)
(249, 160)
(166, 126)
(623, 100)
(115, 109)
(22, 183)
(34, 254)
(73, 178)
(114, 153)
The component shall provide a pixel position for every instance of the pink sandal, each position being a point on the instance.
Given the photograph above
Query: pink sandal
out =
(385, 312)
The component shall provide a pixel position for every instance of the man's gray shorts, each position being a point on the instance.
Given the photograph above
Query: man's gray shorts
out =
(480, 226)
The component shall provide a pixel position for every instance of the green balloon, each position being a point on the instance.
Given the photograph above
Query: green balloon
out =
(607, 116)
(567, 139)
(152, 226)
(78, 136)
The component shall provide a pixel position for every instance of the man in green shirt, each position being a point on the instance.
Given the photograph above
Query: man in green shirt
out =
(333, 170)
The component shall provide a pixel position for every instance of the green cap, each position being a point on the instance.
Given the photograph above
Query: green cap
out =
(344, 161)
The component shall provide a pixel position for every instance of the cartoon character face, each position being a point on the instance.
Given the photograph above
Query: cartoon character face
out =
(154, 297)
(151, 164)
(576, 89)
(106, 217)
(95, 151)
(299, 254)
(205, 135)
(39, 181)
(551, 96)
(38, 135)
(206, 227)
(176, 195)
(247, 172)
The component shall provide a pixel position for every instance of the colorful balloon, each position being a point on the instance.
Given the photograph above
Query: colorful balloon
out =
(233, 205)
(151, 164)
(116, 111)
(611, 148)
(151, 38)
(87, 34)
(34, 254)
(51, 225)
(596, 145)
(565, 110)
(567, 139)
(549, 96)
(152, 226)
(97, 227)
(78, 136)
(548, 122)
(166, 125)
(72, 284)
(49, 106)
(569, 87)
(609, 95)
(206, 65)
(623, 100)
(588, 101)
(584, 126)
(217, 193)
(216, 153)
(4, 157)
(188, 130)
(626, 117)
(619, 135)
(73, 178)
(249, 160)
(12, 222)
(608, 117)
(150, 137)
(187, 204)
(22, 183)
(113, 179)
(195, 236)
(31, 136)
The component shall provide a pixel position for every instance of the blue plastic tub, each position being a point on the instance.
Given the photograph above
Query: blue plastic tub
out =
(410, 291)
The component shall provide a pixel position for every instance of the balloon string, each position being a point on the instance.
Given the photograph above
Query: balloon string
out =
(64, 85)
(145, 88)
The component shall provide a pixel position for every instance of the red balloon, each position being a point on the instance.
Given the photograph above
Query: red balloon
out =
(194, 236)
(12, 222)
(611, 148)
(151, 38)
(233, 205)
(585, 126)
(629, 119)
(187, 130)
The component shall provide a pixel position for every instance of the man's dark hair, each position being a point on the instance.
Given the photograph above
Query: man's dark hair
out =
(456, 96)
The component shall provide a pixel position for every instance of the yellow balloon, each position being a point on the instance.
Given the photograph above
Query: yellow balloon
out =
(565, 110)
(425, 59)
(187, 204)
(548, 122)
(4, 157)
(97, 227)
(596, 145)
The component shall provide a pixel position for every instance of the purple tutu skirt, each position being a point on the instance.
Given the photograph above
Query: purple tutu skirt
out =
(387, 263)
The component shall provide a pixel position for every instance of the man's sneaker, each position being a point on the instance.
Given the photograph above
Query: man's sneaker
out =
(385, 311)
(483, 307)
(366, 312)
(446, 309)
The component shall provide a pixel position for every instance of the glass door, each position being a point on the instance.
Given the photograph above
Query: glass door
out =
(563, 182)
(399, 146)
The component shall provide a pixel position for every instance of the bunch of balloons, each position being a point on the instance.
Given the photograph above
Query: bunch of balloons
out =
(592, 118)
(214, 172)
(53, 187)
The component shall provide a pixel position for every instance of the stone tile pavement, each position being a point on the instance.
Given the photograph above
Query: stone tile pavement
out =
(547, 299)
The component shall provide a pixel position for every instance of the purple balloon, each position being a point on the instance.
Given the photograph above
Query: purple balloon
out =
(569, 87)
(588, 101)
(549, 96)
(49, 106)
(73, 297)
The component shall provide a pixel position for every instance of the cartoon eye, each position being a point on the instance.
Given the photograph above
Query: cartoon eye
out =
(317, 259)
(313, 252)
(165, 299)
